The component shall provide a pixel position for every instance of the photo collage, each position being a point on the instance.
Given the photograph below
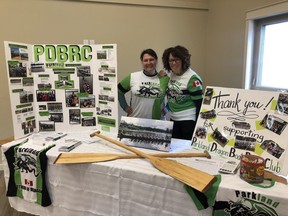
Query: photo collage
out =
(55, 87)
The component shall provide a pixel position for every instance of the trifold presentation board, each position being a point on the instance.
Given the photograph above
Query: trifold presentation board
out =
(234, 122)
(63, 87)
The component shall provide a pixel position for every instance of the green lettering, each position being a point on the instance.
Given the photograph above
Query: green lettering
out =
(84, 53)
(263, 199)
(38, 51)
(50, 53)
(62, 55)
(74, 53)
(269, 201)
(275, 204)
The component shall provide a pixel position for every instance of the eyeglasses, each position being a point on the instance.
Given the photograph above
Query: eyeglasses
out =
(174, 60)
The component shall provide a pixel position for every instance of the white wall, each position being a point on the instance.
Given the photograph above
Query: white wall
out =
(133, 28)
(215, 37)
(226, 23)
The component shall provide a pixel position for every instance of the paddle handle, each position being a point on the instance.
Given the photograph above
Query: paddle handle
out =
(97, 133)
(172, 155)
(66, 158)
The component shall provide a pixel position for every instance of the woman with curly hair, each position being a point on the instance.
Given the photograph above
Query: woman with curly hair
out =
(184, 91)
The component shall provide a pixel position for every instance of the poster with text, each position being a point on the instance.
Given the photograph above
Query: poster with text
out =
(233, 122)
(67, 87)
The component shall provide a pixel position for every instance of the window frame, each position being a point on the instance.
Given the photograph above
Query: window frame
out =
(258, 48)
(255, 19)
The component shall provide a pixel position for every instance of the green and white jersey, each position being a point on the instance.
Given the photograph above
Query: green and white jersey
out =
(27, 164)
(181, 92)
(147, 94)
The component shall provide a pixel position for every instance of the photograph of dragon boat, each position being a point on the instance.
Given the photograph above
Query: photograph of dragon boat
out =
(145, 133)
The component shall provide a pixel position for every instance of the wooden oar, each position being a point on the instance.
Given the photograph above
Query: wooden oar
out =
(277, 178)
(72, 158)
(197, 179)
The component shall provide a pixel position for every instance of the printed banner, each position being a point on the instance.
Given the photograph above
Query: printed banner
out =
(62, 87)
(233, 122)
(241, 202)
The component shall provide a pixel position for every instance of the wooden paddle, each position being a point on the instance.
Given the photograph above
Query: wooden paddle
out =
(196, 179)
(73, 158)
(277, 178)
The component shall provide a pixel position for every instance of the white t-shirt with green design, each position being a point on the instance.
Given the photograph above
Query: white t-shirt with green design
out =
(181, 92)
(147, 94)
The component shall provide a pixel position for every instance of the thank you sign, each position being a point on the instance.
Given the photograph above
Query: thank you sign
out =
(233, 122)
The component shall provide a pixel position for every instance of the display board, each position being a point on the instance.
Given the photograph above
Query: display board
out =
(233, 122)
(62, 87)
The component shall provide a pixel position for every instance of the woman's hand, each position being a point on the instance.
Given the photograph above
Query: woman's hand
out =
(129, 111)
(162, 73)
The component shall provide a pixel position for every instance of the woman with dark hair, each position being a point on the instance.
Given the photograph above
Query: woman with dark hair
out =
(147, 89)
(184, 92)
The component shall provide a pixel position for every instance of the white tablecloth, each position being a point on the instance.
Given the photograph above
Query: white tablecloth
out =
(127, 187)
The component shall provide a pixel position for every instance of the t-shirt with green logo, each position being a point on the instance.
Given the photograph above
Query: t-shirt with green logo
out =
(147, 94)
(181, 92)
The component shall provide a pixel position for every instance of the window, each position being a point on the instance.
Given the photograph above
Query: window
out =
(267, 48)
(270, 68)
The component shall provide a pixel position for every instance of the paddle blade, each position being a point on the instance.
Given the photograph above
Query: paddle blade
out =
(196, 179)
(74, 158)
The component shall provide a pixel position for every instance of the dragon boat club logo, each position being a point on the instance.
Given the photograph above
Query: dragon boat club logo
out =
(149, 89)
(26, 163)
(174, 92)
(248, 204)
